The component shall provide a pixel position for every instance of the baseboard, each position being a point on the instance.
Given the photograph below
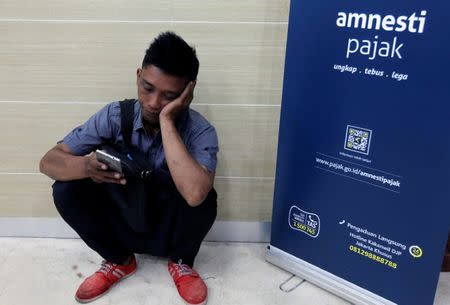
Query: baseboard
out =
(236, 231)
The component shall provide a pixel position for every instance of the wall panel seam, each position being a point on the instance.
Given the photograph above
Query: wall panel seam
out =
(144, 21)
(104, 103)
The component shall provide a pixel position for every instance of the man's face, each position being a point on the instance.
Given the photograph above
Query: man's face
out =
(155, 90)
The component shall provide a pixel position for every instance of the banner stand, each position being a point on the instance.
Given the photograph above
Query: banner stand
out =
(323, 279)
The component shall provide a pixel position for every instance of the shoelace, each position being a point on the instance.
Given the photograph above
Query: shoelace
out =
(182, 269)
(106, 267)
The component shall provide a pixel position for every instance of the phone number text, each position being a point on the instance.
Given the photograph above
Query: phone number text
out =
(374, 257)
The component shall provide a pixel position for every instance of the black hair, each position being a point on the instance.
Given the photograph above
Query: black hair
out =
(170, 53)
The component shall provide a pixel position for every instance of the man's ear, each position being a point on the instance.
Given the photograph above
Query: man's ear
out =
(138, 74)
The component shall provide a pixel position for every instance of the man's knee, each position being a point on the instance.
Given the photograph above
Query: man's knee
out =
(67, 192)
(204, 213)
(212, 197)
(210, 202)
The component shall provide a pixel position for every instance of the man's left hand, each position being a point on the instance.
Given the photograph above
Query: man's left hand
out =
(171, 111)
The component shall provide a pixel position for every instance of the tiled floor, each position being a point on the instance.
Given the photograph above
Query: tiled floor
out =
(48, 271)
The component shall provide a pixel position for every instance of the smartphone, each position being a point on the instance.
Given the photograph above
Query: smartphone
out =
(112, 162)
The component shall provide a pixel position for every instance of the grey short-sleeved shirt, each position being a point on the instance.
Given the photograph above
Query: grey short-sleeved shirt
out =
(198, 135)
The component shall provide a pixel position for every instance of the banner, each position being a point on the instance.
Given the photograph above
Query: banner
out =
(362, 194)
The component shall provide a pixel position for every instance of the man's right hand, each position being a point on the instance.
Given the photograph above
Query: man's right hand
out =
(60, 164)
(99, 172)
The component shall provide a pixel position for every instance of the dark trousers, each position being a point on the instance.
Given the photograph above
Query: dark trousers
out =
(177, 232)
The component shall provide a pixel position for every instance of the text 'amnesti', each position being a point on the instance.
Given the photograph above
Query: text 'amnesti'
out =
(388, 23)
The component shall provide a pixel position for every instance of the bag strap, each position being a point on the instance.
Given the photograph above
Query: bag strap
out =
(127, 120)
(134, 160)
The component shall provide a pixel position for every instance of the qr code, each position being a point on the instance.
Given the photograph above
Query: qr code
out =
(358, 139)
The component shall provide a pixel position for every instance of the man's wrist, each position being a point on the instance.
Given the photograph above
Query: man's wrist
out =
(86, 160)
(166, 121)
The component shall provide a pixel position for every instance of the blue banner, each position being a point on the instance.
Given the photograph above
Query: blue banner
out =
(363, 171)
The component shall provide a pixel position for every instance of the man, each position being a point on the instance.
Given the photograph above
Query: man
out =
(179, 144)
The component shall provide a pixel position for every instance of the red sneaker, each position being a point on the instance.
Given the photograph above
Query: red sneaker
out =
(189, 284)
(99, 283)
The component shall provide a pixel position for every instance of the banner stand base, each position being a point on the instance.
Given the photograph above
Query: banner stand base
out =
(324, 279)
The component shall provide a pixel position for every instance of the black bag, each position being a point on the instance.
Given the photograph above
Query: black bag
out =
(134, 164)
(135, 198)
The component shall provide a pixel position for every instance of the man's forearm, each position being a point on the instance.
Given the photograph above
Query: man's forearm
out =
(62, 166)
(191, 179)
